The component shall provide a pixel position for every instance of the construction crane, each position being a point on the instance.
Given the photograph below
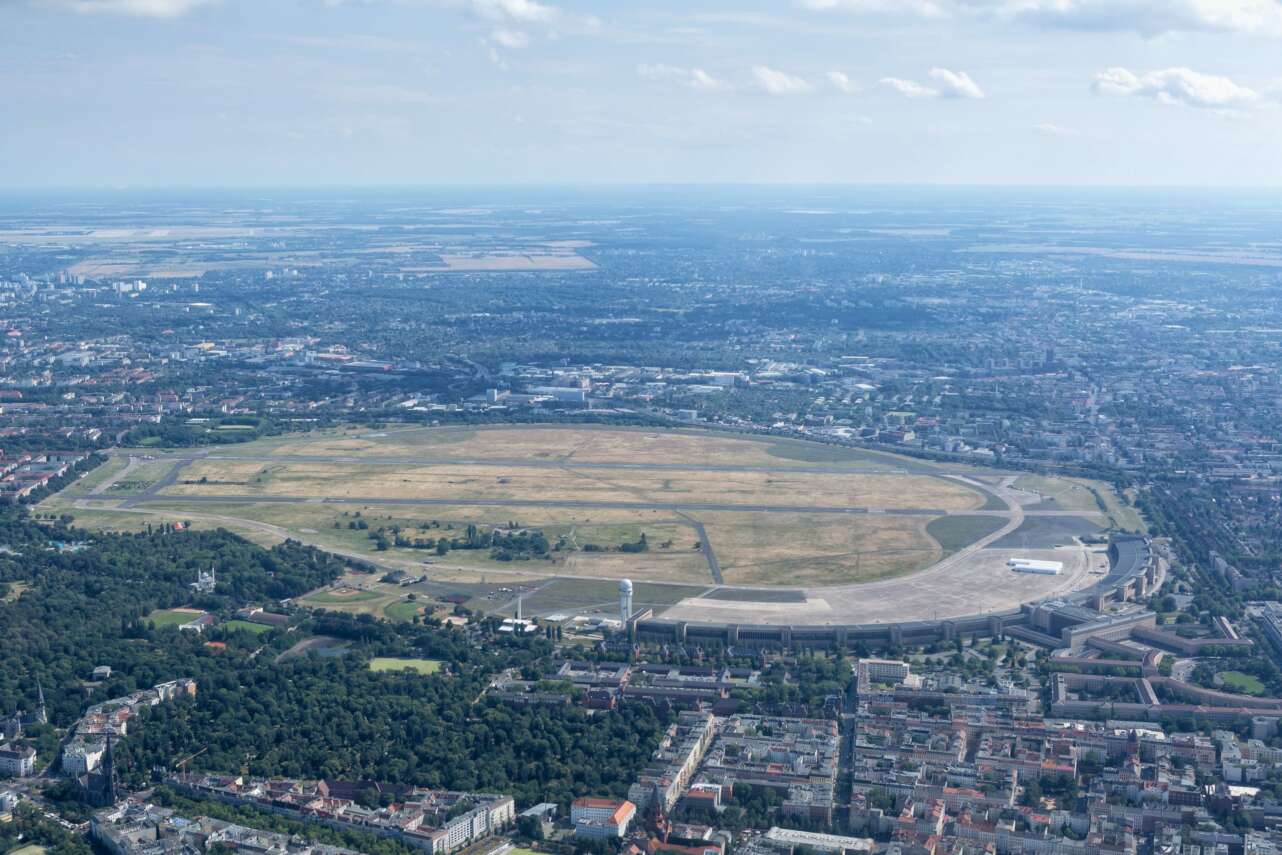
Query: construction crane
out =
(181, 765)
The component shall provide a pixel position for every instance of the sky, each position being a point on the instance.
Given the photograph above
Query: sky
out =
(248, 93)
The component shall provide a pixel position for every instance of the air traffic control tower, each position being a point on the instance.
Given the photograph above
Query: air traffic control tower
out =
(625, 600)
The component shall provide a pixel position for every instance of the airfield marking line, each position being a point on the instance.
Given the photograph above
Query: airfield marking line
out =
(714, 565)
(130, 466)
(167, 480)
(512, 602)
(705, 542)
(709, 554)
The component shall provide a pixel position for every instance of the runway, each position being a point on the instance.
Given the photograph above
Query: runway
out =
(260, 498)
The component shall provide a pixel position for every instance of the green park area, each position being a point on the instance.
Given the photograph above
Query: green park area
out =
(418, 666)
(1239, 681)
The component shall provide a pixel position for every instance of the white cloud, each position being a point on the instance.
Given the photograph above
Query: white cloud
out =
(921, 8)
(513, 21)
(1176, 86)
(948, 84)
(841, 82)
(955, 84)
(517, 11)
(1150, 17)
(695, 78)
(700, 79)
(509, 38)
(909, 88)
(1053, 130)
(777, 82)
(660, 71)
(381, 94)
(139, 8)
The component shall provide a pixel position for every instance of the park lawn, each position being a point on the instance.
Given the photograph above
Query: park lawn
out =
(405, 610)
(337, 598)
(255, 628)
(15, 591)
(419, 666)
(173, 617)
(1241, 682)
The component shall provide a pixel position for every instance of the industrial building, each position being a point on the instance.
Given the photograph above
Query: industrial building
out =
(1033, 565)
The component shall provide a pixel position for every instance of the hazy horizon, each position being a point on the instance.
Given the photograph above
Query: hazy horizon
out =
(374, 93)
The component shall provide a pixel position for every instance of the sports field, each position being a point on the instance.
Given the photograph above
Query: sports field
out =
(173, 617)
(418, 666)
(686, 508)
(247, 626)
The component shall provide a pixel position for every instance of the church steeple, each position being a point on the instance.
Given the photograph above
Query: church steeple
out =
(109, 774)
(41, 715)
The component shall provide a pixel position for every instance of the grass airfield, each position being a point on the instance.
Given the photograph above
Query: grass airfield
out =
(716, 509)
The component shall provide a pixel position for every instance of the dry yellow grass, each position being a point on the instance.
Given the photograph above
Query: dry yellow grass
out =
(679, 564)
(754, 547)
(589, 444)
(315, 524)
(804, 549)
(357, 480)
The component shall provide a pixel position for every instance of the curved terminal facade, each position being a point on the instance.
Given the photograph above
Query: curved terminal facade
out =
(1134, 571)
